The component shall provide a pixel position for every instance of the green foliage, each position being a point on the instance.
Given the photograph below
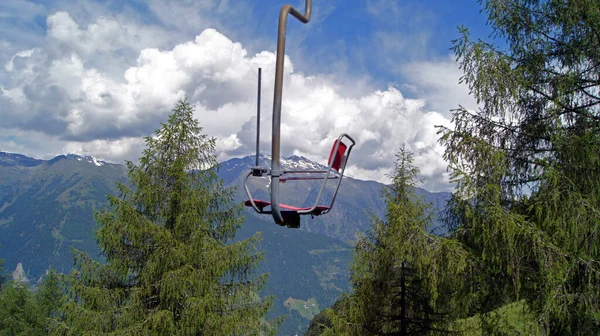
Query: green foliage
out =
(319, 323)
(19, 312)
(49, 207)
(25, 313)
(406, 280)
(49, 296)
(526, 164)
(170, 270)
(316, 267)
(512, 319)
(3, 276)
(307, 309)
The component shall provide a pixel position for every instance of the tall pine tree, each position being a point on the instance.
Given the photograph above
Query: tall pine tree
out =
(406, 280)
(49, 296)
(3, 276)
(171, 269)
(527, 163)
(20, 315)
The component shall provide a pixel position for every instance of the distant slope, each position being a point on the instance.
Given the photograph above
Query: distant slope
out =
(301, 265)
(46, 207)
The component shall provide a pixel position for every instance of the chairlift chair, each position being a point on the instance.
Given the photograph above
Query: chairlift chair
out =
(284, 214)
(291, 214)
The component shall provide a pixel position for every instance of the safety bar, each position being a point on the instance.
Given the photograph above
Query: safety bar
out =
(346, 155)
(277, 97)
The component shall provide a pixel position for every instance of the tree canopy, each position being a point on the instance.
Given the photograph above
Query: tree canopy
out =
(19, 312)
(3, 277)
(527, 162)
(406, 280)
(171, 268)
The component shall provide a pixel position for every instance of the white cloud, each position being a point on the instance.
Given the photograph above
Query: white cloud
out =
(126, 148)
(381, 7)
(439, 82)
(102, 35)
(73, 102)
(189, 17)
(10, 66)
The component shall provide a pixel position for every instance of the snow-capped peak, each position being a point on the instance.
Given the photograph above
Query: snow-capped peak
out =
(296, 162)
(95, 161)
(87, 158)
(293, 162)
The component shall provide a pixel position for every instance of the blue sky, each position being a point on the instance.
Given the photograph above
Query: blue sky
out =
(94, 77)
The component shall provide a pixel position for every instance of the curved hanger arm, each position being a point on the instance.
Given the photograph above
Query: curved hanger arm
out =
(276, 135)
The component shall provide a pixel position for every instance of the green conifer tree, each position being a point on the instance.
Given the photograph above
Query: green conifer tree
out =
(526, 163)
(406, 280)
(49, 296)
(3, 276)
(20, 315)
(172, 269)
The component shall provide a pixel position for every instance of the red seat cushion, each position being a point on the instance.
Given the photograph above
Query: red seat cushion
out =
(337, 156)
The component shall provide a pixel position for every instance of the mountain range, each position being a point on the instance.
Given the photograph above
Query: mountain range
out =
(47, 207)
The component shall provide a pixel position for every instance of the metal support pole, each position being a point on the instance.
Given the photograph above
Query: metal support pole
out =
(258, 118)
(277, 97)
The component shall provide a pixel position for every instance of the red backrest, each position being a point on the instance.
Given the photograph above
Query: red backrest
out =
(338, 156)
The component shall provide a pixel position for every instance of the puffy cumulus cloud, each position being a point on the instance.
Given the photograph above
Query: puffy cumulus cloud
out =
(439, 81)
(104, 35)
(60, 94)
(111, 44)
(220, 79)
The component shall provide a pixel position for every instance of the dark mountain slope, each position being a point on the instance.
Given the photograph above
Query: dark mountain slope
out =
(47, 208)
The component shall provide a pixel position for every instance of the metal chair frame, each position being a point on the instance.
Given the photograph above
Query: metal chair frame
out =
(327, 175)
